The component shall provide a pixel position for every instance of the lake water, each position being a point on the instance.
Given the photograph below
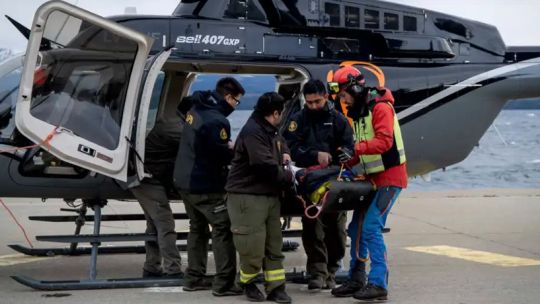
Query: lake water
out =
(508, 156)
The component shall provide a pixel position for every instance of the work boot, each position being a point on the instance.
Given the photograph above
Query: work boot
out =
(315, 284)
(330, 281)
(279, 295)
(253, 293)
(151, 274)
(200, 284)
(371, 293)
(347, 289)
(232, 291)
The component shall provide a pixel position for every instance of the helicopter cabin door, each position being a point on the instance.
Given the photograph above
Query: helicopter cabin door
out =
(79, 87)
(151, 73)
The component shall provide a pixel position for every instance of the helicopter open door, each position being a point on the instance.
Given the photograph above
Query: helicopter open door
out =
(80, 87)
(152, 70)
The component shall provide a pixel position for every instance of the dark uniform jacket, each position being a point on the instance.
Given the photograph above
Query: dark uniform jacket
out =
(310, 132)
(204, 155)
(161, 150)
(257, 165)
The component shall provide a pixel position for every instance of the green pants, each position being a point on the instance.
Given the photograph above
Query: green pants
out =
(204, 210)
(256, 227)
(160, 221)
(324, 242)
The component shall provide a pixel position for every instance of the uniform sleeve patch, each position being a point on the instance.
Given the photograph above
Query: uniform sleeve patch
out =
(293, 126)
(189, 119)
(223, 134)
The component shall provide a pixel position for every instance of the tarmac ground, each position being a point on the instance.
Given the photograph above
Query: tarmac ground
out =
(472, 246)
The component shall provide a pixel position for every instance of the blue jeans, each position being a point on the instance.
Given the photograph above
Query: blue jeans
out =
(371, 238)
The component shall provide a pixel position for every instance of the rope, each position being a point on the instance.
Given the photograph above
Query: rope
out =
(322, 201)
(45, 142)
(319, 206)
(17, 222)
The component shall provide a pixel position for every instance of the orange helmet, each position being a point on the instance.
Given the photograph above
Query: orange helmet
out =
(344, 78)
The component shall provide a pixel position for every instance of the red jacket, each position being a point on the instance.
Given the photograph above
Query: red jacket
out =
(383, 126)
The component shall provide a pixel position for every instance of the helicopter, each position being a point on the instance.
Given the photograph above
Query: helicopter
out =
(91, 88)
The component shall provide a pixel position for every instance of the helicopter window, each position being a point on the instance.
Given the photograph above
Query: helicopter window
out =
(81, 84)
(352, 16)
(409, 24)
(154, 102)
(244, 9)
(371, 19)
(333, 11)
(391, 21)
(9, 83)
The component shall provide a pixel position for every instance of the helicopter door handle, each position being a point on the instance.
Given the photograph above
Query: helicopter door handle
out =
(64, 130)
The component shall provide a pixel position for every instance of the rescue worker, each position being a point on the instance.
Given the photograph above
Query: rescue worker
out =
(314, 136)
(255, 181)
(380, 155)
(200, 174)
(162, 256)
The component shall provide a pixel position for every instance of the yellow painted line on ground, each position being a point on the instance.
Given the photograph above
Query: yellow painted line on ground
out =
(14, 259)
(476, 256)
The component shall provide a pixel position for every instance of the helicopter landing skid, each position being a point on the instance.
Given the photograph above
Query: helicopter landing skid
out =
(95, 240)
(295, 277)
(288, 246)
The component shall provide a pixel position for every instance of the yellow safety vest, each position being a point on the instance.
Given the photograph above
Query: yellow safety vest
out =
(374, 163)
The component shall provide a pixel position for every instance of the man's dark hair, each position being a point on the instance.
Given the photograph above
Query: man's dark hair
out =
(229, 85)
(268, 103)
(314, 86)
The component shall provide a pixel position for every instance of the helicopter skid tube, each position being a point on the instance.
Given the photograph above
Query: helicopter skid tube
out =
(295, 277)
(66, 251)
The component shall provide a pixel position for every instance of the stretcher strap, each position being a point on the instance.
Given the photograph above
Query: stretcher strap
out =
(320, 204)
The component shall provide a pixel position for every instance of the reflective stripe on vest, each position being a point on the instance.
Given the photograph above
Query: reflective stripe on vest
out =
(373, 163)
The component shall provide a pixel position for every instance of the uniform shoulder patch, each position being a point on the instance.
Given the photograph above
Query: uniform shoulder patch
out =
(223, 134)
(293, 126)
(189, 119)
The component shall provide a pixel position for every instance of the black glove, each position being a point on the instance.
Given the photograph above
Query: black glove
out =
(288, 178)
(345, 155)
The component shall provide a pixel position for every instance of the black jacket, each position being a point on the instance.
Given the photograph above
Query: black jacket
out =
(257, 165)
(162, 149)
(203, 156)
(310, 132)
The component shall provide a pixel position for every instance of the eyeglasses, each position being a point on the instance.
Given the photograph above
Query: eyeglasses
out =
(235, 99)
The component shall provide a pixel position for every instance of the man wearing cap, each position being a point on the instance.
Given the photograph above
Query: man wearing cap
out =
(200, 175)
(315, 136)
(255, 181)
(380, 155)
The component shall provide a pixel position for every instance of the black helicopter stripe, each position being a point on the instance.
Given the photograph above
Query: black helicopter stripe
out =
(448, 99)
